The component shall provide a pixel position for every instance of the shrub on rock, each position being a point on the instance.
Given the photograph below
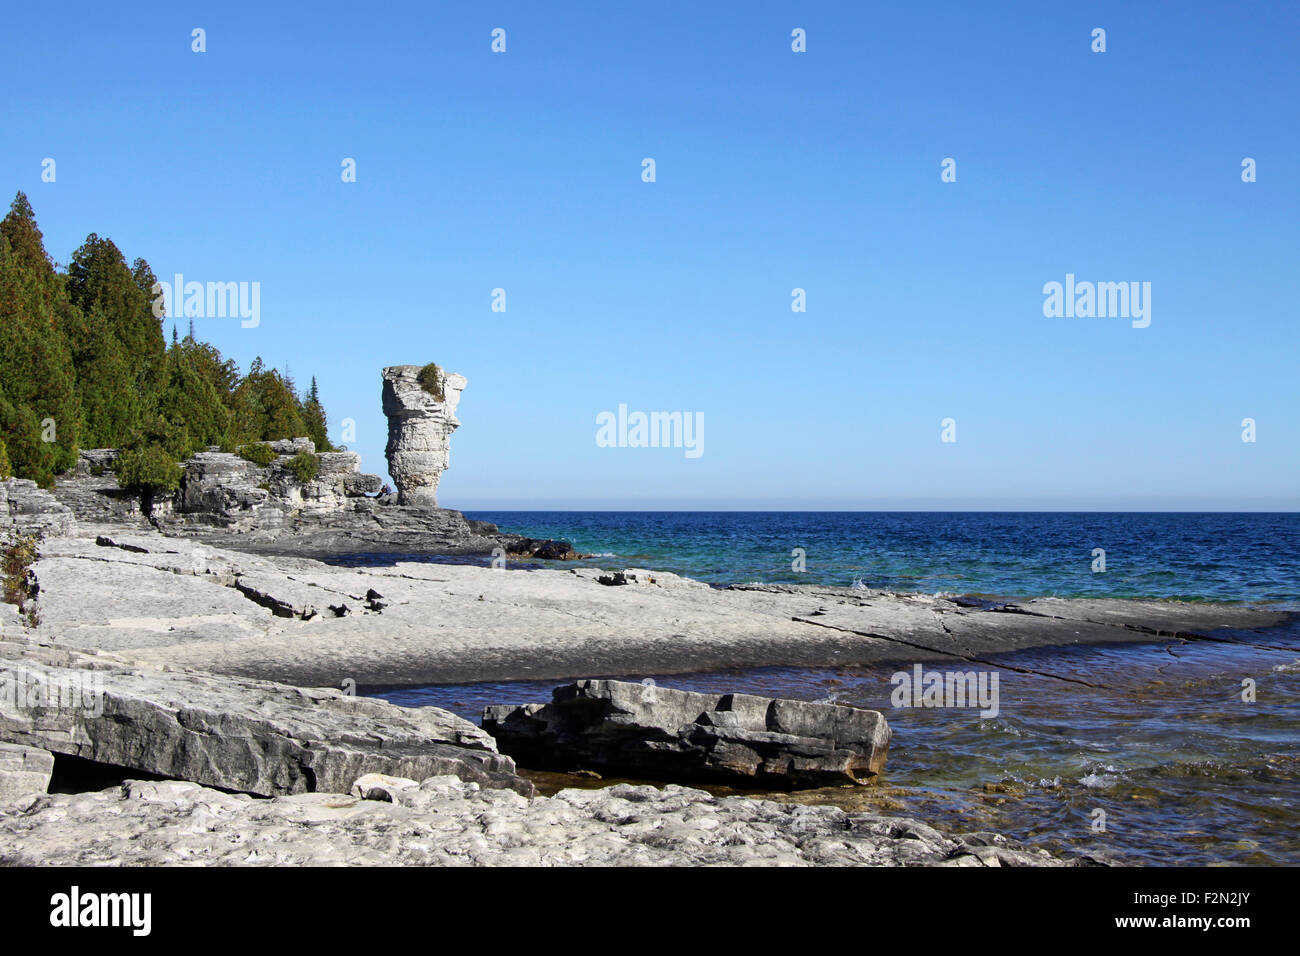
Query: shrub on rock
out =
(149, 469)
(304, 466)
(259, 454)
(430, 379)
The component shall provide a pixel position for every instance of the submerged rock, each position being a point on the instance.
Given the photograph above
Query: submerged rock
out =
(650, 731)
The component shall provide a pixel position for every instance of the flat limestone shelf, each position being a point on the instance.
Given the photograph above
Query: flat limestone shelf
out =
(296, 620)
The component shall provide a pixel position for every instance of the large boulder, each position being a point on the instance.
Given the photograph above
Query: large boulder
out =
(419, 431)
(250, 736)
(642, 730)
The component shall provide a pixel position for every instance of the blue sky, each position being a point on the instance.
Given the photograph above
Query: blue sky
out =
(774, 170)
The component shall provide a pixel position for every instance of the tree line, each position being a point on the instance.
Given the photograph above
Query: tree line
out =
(84, 363)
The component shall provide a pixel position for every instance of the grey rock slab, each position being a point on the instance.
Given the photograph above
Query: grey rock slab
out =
(645, 730)
(28, 509)
(252, 736)
(175, 602)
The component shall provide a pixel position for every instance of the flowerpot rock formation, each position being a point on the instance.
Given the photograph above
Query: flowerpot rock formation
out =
(419, 430)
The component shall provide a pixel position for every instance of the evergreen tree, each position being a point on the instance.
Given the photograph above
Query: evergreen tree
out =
(188, 399)
(37, 380)
(265, 407)
(313, 416)
(84, 362)
(99, 280)
(111, 403)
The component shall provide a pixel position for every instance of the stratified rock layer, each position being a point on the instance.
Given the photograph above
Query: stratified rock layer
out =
(25, 508)
(645, 730)
(419, 429)
(251, 736)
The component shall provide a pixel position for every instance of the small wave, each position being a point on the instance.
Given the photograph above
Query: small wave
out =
(1099, 781)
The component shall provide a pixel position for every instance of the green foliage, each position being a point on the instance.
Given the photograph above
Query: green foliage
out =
(265, 406)
(258, 454)
(430, 379)
(305, 466)
(6, 471)
(313, 416)
(188, 397)
(84, 363)
(39, 412)
(148, 469)
(29, 456)
(100, 280)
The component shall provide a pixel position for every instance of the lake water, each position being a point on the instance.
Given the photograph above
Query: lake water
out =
(1162, 749)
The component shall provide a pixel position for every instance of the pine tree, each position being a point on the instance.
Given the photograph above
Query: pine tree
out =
(313, 416)
(84, 362)
(99, 280)
(265, 407)
(37, 381)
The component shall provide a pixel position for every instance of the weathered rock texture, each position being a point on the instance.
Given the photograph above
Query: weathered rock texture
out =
(644, 730)
(251, 736)
(175, 602)
(224, 498)
(229, 492)
(23, 771)
(419, 430)
(31, 510)
(447, 822)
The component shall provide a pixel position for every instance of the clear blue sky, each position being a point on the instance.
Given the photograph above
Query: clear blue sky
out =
(775, 170)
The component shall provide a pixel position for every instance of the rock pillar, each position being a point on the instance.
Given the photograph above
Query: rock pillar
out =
(420, 424)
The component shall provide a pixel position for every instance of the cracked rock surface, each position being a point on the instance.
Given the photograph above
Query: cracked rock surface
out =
(180, 602)
(251, 736)
(446, 821)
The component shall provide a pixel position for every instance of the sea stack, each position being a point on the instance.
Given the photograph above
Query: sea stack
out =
(420, 403)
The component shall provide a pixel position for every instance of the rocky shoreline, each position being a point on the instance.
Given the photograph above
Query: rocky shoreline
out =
(196, 652)
(443, 821)
(183, 602)
(187, 640)
(217, 770)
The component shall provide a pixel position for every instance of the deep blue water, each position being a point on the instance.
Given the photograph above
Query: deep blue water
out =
(1253, 557)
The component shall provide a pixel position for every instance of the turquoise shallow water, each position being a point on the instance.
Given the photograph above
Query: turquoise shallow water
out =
(1181, 768)
(1185, 771)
